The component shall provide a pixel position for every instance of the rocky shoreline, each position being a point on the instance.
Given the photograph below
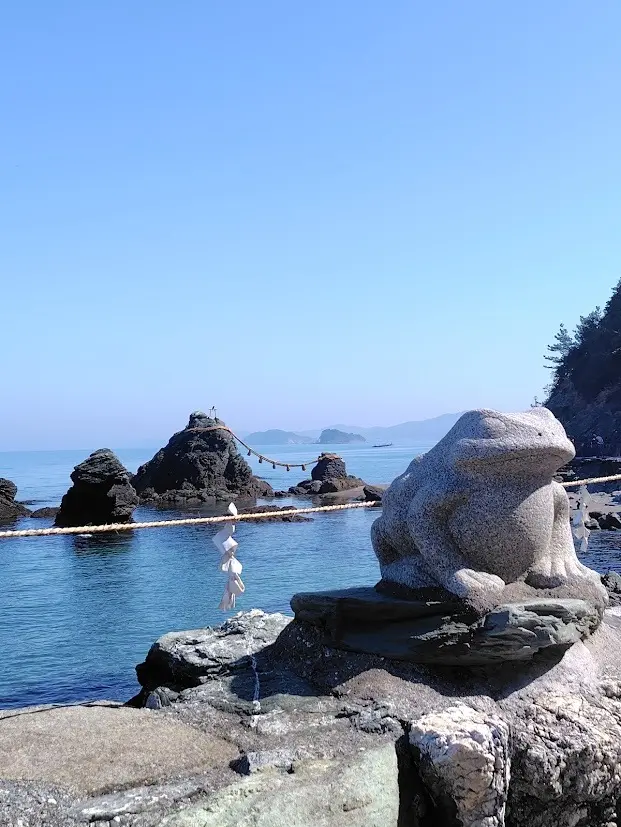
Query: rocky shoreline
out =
(260, 722)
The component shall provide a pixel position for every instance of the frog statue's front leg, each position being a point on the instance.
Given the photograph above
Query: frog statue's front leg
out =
(558, 565)
(428, 520)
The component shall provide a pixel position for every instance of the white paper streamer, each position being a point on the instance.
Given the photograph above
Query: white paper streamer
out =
(229, 564)
(581, 515)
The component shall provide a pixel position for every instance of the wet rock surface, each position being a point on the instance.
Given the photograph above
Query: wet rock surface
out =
(200, 464)
(101, 493)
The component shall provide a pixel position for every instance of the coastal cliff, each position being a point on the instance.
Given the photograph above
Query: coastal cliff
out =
(585, 391)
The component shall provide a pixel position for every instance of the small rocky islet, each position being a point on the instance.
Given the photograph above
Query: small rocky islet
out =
(200, 465)
(412, 703)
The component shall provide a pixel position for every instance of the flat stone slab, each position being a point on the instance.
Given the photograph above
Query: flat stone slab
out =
(358, 790)
(100, 748)
(444, 633)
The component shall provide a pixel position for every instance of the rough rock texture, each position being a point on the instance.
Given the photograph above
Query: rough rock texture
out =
(186, 658)
(374, 493)
(9, 509)
(436, 631)
(96, 748)
(199, 464)
(481, 510)
(101, 493)
(360, 790)
(464, 760)
(329, 467)
(612, 582)
(328, 476)
(317, 735)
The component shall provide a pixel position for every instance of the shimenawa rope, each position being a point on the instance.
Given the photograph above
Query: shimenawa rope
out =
(99, 529)
(262, 457)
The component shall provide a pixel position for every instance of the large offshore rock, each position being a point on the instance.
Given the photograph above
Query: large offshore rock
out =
(481, 510)
(199, 464)
(9, 509)
(101, 493)
(329, 476)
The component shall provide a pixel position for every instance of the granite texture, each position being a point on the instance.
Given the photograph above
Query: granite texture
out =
(481, 510)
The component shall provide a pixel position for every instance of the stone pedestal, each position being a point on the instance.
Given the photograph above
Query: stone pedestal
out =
(440, 631)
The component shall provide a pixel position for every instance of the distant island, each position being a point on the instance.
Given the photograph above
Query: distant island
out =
(278, 437)
(332, 436)
(423, 432)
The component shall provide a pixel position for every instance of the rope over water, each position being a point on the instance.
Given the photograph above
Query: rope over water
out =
(262, 457)
(224, 518)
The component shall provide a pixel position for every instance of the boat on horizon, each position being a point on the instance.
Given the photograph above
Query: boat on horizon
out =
(383, 445)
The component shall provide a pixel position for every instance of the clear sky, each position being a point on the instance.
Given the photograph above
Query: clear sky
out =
(304, 213)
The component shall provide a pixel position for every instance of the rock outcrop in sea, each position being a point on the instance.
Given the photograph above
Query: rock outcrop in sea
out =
(328, 476)
(201, 463)
(9, 509)
(101, 493)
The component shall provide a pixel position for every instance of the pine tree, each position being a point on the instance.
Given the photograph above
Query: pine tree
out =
(562, 345)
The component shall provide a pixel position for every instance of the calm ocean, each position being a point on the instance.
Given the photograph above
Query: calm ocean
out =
(77, 614)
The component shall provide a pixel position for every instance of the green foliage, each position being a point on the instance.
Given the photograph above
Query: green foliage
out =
(591, 358)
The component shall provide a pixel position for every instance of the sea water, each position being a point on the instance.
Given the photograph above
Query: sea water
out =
(78, 613)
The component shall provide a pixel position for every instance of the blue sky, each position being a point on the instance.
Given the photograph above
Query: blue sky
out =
(304, 213)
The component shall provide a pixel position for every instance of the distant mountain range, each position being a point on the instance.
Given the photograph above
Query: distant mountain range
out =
(278, 437)
(424, 432)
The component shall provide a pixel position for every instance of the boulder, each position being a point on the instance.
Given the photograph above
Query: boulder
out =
(9, 509)
(373, 493)
(101, 493)
(329, 476)
(610, 521)
(48, 511)
(306, 488)
(463, 758)
(185, 659)
(329, 467)
(612, 582)
(199, 464)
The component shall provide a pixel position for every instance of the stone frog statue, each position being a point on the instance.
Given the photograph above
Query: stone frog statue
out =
(481, 510)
